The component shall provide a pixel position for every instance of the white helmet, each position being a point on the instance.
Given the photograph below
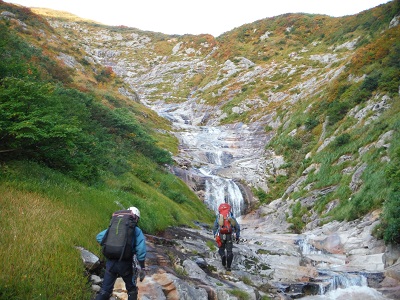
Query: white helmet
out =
(135, 211)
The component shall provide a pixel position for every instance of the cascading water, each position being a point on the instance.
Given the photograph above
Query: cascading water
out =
(336, 285)
(214, 148)
(306, 248)
(220, 190)
(340, 280)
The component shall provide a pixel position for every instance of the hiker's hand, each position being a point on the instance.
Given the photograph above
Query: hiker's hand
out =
(142, 274)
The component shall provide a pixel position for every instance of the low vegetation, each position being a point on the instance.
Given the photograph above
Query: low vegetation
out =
(71, 153)
(45, 214)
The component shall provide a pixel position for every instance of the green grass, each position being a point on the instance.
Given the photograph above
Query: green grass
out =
(239, 294)
(44, 215)
(211, 245)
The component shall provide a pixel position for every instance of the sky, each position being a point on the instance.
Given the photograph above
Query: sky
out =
(196, 17)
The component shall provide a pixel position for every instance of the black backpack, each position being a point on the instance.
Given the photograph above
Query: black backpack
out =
(117, 242)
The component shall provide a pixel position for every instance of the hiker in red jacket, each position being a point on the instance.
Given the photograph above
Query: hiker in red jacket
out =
(226, 230)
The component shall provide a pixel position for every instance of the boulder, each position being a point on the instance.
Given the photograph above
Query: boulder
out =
(90, 260)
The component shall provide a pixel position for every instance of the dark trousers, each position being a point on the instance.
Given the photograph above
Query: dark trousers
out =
(227, 245)
(115, 269)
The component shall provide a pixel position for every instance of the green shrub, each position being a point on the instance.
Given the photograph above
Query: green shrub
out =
(341, 140)
(311, 123)
(390, 80)
(337, 111)
(297, 223)
(370, 82)
(261, 195)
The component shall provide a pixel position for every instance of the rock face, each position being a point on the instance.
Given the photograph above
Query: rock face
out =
(210, 154)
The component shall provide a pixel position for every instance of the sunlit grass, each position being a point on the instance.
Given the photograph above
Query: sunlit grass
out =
(38, 257)
(44, 215)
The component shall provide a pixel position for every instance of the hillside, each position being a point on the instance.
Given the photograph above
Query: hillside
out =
(81, 106)
(73, 150)
(325, 90)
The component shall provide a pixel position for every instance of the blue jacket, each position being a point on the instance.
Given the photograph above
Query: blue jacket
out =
(236, 228)
(139, 247)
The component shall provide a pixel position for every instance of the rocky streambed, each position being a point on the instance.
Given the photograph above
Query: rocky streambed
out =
(338, 260)
(335, 261)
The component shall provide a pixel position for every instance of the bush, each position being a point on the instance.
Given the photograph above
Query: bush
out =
(67, 130)
(337, 111)
(296, 220)
(310, 123)
(261, 195)
(293, 143)
(37, 124)
(341, 140)
(370, 82)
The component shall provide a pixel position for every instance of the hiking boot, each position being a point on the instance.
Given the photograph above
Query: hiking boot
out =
(224, 260)
(102, 295)
(228, 269)
(133, 295)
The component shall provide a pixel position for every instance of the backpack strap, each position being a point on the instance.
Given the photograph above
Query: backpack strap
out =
(125, 241)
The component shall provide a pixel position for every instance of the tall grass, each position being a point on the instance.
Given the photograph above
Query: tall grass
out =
(38, 257)
(44, 215)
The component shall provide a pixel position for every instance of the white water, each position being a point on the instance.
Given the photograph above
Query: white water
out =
(306, 248)
(335, 285)
(214, 148)
(341, 280)
(220, 190)
(350, 293)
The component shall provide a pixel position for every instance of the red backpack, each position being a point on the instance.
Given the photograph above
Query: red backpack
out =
(225, 219)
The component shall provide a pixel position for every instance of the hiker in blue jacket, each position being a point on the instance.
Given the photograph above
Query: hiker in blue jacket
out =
(226, 237)
(123, 268)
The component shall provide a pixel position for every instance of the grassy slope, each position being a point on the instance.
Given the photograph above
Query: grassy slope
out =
(44, 214)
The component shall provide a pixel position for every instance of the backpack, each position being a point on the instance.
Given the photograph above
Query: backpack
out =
(117, 242)
(225, 219)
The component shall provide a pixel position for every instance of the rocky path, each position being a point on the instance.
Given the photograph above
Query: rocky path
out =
(183, 264)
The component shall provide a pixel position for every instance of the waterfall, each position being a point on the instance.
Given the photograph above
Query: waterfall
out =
(306, 248)
(220, 190)
(215, 148)
(340, 280)
(335, 284)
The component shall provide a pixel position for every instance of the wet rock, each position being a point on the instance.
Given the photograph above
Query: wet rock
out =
(331, 244)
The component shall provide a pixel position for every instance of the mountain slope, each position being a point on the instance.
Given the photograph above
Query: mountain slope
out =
(325, 89)
(73, 149)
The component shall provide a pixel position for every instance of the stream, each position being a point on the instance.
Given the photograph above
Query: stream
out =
(335, 284)
(222, 155)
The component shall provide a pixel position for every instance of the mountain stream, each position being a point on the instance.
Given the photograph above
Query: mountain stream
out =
(215, 158)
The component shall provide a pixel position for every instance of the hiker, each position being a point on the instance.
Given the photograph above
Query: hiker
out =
(226, 230)
(122, 264)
